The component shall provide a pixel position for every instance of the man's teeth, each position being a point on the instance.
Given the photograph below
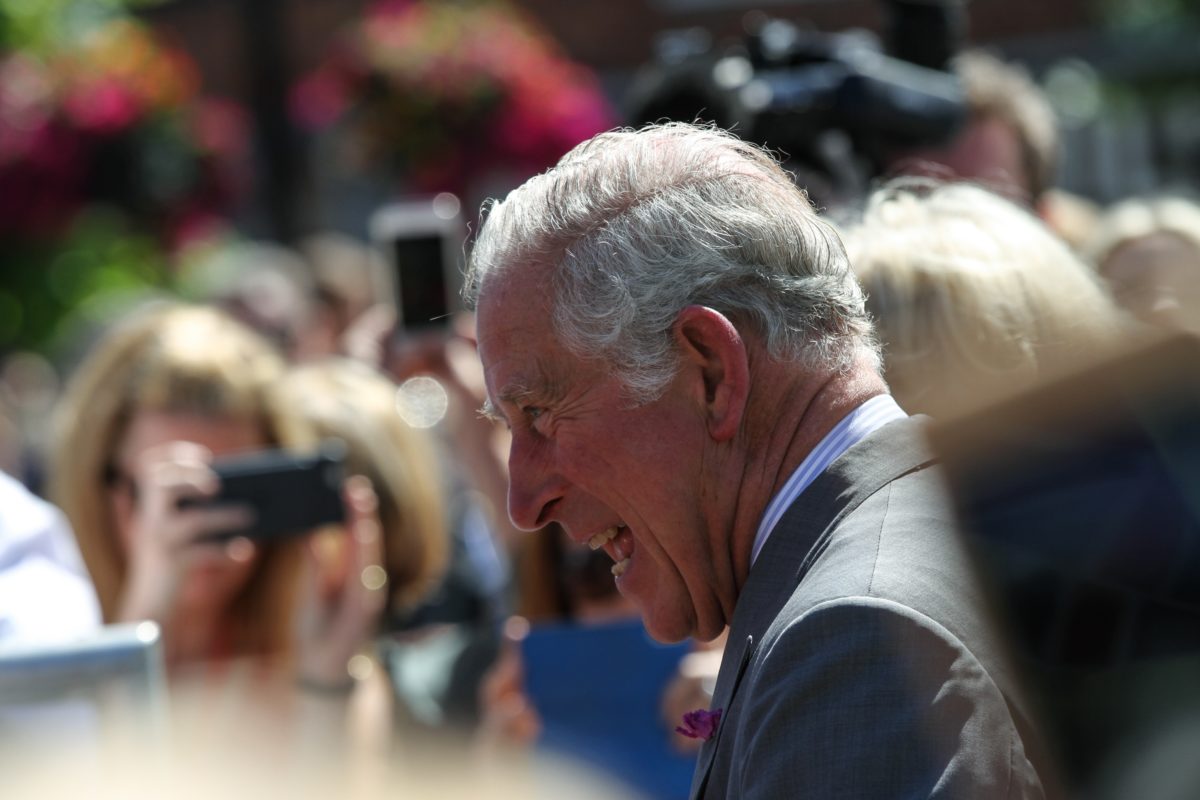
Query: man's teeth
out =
(601, 539)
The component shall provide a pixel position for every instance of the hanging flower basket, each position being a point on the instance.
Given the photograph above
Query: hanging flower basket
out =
(440, 93)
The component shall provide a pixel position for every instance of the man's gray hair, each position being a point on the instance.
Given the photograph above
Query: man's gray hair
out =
(641, 224)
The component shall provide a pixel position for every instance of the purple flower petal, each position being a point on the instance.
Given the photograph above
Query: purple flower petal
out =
(700, 724)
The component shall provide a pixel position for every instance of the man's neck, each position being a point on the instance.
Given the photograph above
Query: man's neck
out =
(791, 411)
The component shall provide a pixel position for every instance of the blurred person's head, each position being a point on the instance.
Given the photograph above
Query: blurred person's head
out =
(346, 400)
(29, 386)
(1010, 141)
(264, 285)
(349, 278)
(971, 294)
(1148, 250)
(172, 373)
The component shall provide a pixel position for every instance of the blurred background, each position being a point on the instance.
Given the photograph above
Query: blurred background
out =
(136, 134)
(236, 153)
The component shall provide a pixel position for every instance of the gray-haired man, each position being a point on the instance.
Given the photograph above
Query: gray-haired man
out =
(682, 355)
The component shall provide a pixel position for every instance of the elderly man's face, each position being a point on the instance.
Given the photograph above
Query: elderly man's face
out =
(627, 478)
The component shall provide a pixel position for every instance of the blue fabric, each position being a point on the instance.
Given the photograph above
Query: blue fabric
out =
(598, 690)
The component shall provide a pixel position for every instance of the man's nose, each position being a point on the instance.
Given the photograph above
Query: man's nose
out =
(535, 486)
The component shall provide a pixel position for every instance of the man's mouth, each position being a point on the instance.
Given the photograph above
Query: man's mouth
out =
(618, 543)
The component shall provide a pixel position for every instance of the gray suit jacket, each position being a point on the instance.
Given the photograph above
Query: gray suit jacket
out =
(860, 662)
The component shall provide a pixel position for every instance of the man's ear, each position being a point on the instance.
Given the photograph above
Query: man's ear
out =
(711, 346)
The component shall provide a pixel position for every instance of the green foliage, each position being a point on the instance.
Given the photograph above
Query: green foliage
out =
(49, 286)
(108, 162)
(40, 25)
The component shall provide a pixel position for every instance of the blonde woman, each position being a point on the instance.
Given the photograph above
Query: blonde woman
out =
(971, 294)
(159, 397)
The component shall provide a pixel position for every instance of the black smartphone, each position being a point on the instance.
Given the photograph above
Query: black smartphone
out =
(291, 494)
(422, 240)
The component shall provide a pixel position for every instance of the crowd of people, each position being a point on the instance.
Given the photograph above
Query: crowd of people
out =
(703, 387)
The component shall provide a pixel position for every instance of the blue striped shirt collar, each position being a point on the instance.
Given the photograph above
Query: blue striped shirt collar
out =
(868, 417)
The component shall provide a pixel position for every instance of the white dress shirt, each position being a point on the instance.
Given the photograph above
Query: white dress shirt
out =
(868, 417)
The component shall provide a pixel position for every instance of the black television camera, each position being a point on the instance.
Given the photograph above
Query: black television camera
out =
(838, 104)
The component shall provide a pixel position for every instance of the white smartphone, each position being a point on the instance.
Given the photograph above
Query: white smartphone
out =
(422, 241)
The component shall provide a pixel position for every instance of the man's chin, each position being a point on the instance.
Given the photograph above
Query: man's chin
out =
(666, 631)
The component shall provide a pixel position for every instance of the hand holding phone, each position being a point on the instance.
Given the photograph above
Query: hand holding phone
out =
(423, 242)
(289, 494)
(167, 540)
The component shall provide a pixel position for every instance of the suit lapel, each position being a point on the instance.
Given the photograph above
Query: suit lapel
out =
(797, 542)
(768, 587)
(723, 695)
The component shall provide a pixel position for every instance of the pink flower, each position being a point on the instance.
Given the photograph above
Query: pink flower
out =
(319, 99)
(102, 104)
(428, 77)
(700, 724)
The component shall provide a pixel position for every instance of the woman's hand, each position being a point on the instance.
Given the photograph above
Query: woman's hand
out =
(509, 718)
(169, 540)
(345, 594)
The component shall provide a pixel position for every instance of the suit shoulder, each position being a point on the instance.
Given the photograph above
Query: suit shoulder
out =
(869, 694)
(898, 542)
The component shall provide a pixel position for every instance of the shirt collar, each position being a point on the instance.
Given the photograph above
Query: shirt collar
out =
(853, 428)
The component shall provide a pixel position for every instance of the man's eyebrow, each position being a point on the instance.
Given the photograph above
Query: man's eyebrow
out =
(489, 411)
(514, 395)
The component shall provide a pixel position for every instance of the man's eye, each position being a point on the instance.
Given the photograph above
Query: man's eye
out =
(532, 412)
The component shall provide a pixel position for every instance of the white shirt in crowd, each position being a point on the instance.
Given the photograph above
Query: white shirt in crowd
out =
(45, 593)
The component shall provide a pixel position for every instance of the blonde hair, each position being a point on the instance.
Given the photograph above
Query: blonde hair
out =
(1073, 217)
(971, 294)
(175, 359)
(1000, 90)
(1140, 217)
(346, 400)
